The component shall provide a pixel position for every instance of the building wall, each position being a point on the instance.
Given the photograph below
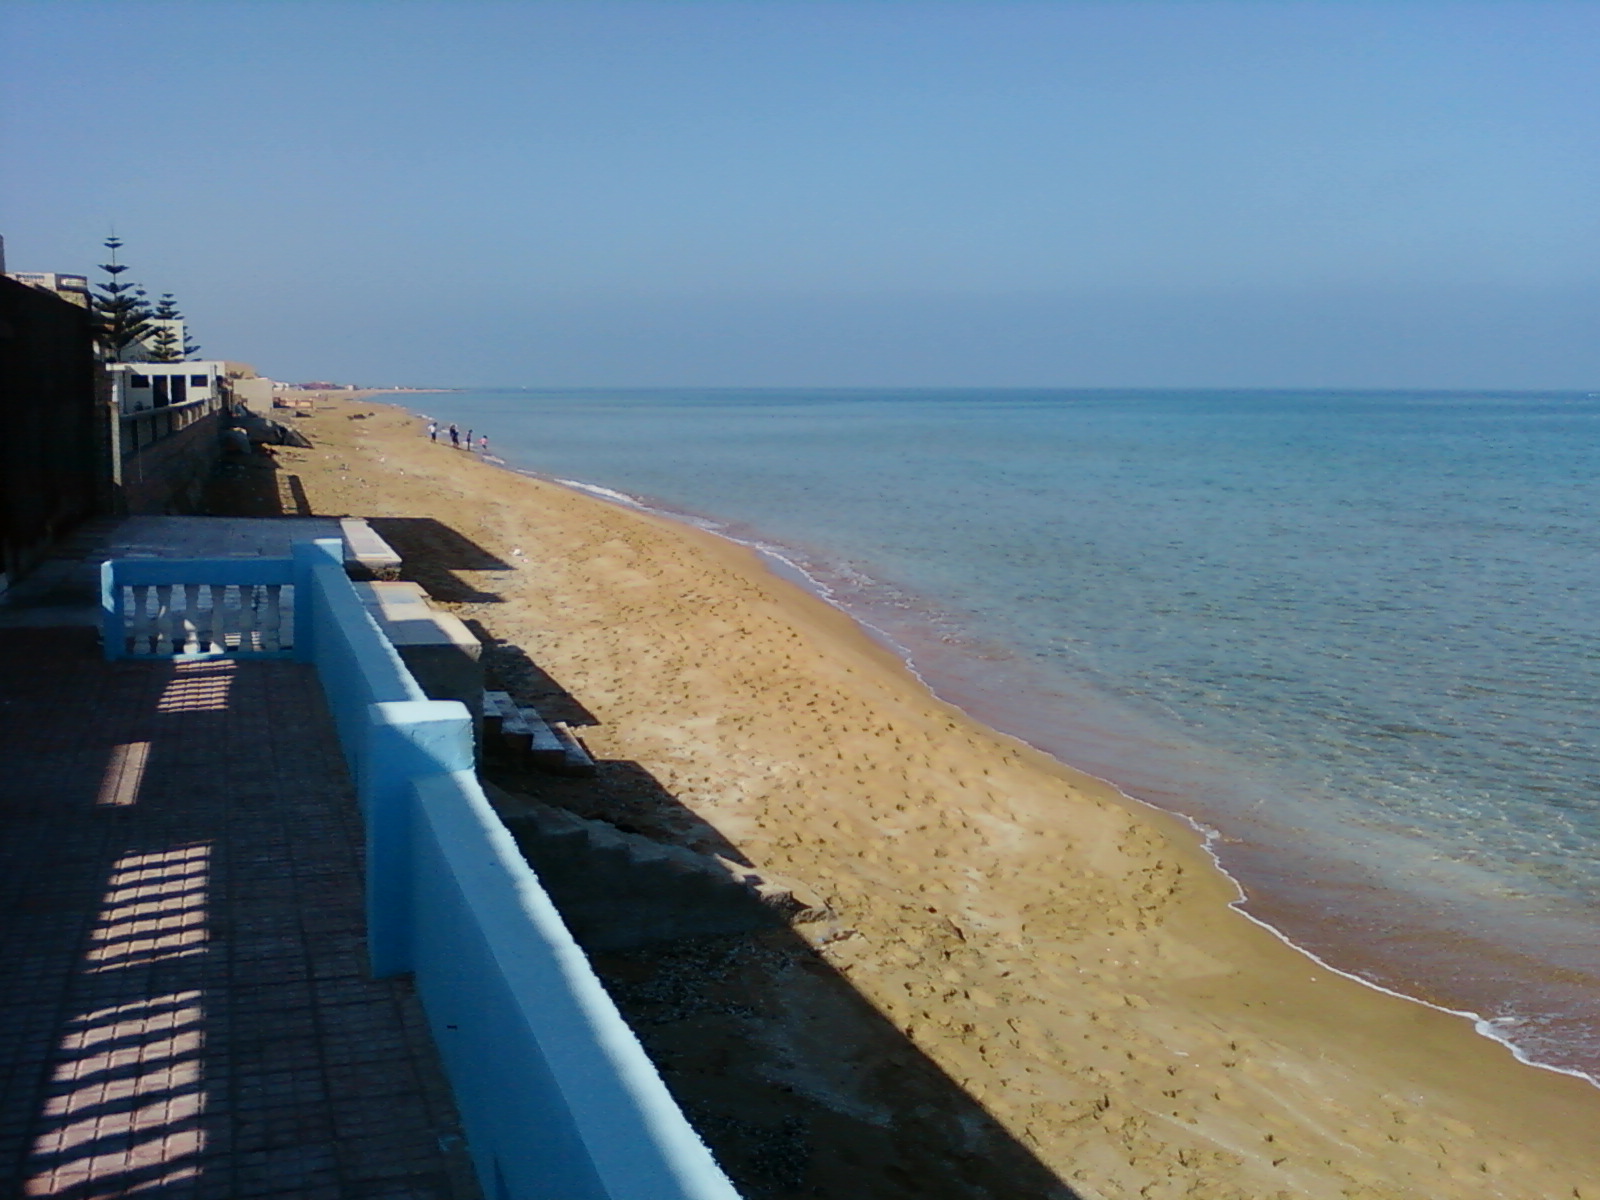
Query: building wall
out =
(53, 460)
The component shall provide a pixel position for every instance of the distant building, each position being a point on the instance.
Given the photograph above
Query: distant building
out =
(139, 386)
(255, 393)
(72, 288)
(169, 422)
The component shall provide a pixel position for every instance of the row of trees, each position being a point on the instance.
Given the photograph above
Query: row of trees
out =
(127, 319)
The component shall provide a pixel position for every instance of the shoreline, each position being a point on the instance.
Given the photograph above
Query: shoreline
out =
(1173, 904)
(777, 559)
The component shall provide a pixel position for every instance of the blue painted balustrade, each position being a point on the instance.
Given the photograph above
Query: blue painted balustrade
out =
(558, 1099)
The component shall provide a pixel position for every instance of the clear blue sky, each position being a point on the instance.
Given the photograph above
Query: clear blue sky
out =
(1394, 194)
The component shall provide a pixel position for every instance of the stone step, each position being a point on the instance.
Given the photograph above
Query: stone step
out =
(620, 890)
(523, 733)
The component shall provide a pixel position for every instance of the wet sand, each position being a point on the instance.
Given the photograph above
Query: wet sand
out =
(1064, 955)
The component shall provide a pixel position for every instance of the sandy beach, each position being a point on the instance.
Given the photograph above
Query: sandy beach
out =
(1028, 985)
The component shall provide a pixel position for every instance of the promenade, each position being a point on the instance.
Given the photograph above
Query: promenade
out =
(185, 1008)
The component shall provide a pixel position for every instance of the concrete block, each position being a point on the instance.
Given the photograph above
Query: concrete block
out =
(438, 650)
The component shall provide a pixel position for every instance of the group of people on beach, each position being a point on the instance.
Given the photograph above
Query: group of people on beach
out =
(454, 433)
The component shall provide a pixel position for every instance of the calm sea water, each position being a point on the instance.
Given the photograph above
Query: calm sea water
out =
(1353, 635)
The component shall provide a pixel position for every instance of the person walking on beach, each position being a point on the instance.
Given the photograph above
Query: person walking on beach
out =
(469, 439)
(455, 435)
(433, 431)
(483, 444)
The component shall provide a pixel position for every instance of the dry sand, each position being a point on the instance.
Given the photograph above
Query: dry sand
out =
(1066, 957)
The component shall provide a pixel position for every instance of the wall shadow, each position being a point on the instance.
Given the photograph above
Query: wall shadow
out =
(297, 492)
(252, 485)
(801, 1087)
(433, 552)
(509, 665)
(797, 1082)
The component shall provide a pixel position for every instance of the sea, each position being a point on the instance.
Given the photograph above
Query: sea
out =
(1352, 637)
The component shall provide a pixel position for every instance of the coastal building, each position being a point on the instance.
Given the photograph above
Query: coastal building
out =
(138, 386)
(83, 437)
(74, 289)
(169, 421)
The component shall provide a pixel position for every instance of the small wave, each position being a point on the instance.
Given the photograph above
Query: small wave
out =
(594, 489)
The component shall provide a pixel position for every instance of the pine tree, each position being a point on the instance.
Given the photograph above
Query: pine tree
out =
(163, 343)
(122, 308)
(166, 345)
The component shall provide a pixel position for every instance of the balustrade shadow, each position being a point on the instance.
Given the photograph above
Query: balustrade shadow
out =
(797, 1082)
(186, 1006)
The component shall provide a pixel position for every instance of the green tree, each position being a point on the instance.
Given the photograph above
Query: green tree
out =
(122, 309)
(165, 343)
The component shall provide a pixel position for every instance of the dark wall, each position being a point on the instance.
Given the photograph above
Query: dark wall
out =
(169, 475)
(52, 448)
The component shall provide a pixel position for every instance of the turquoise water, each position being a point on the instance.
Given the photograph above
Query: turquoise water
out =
(1352, 635)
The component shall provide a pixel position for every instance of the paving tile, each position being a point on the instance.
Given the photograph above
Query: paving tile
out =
(185, 1011)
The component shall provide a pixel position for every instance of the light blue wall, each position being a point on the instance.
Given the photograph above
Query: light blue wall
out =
(404, 740)
(528, 1028)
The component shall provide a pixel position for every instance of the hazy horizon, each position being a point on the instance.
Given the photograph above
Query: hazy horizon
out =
(630, 193)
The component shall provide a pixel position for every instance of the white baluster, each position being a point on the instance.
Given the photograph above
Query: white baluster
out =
(132, 617)
(247, 617)
(189, 624)
(221, 614)
(146, 597)
(205, 619)
(163, 619)
(272, 618)
(287, 599)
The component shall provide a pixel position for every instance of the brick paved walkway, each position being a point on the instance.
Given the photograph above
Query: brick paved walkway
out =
(184, 1009)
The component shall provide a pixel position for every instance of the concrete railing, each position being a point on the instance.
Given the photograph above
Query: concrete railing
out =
(197, 608)
(143, 426)
(557, 1097)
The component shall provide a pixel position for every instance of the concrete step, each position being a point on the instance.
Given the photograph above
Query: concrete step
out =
(521, 732)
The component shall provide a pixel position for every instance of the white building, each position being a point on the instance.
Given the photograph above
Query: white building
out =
(137, 386)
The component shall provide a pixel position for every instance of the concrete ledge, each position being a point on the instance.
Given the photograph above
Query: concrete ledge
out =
(438, 650)
(366, 551)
